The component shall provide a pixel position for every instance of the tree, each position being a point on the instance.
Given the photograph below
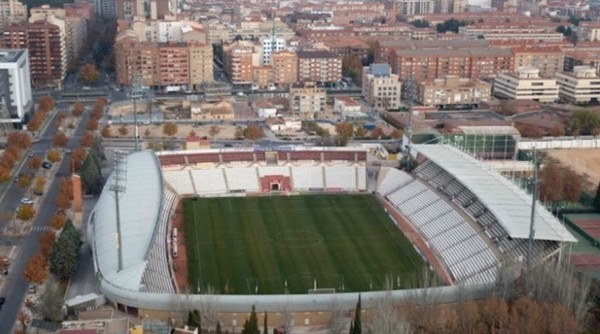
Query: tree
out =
(38, 185)
(397, 134)
(251, 325)
(24, 320)
(170, 129)
(57, 221)
(123, 130)
(529, 131)
(46, 241)
(77, 109)
(106, 133)
(20, 140)
(357, 317)
(420, 23)
(450, 25)
(35, 162)
(572, 186)
(376, 133)
(552, 183)
(92, 124)
(265, 327)
(50, 304)
(4, 174)
(213, 131)
(62, 201)
(36, 270)
(88, 74)
(60, 139)
(53, 156)
(583, 121)
(344, 131)
(253, 132)
(91, 175)
(239, 134)
(65, 187)
(194, 319)
(63, 256)
(24, 181)
(352, 67)
(360, 132)
(25, 212)
(46, 103)
(77, 157)
(596, 202)
(87, 139)
(557, 131)
(218, 329)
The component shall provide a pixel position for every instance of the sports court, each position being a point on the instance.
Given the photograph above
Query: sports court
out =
(292, 244)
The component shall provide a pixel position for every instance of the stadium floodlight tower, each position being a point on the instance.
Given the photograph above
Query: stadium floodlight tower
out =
(118, 186)
(410, 89)
(534, 195)
(136, 94)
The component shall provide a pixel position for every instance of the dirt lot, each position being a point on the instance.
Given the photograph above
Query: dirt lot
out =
(586, 162)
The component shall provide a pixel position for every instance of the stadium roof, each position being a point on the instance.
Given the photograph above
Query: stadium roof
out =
(139, 212)
(489, 130)
(510, 204)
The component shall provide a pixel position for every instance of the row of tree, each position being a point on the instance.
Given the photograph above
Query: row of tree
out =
(16, 144)
(582, 123)
(45, 105)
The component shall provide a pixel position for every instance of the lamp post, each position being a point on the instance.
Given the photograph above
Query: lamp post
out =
(136, 94)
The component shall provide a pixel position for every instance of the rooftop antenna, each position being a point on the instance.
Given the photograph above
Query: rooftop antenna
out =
(118, 186)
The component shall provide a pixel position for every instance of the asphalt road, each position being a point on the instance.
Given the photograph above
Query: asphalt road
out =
(16, 286)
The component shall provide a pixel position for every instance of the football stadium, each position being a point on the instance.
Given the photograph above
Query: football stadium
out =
(300, 229)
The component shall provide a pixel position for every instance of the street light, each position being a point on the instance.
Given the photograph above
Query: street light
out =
(136, 93)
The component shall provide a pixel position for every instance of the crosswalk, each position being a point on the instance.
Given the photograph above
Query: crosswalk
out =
(40, 229)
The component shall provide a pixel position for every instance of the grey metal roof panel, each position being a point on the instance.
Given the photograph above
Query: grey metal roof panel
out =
(510, 204)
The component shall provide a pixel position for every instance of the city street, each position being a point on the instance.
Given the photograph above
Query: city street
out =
(16, 286)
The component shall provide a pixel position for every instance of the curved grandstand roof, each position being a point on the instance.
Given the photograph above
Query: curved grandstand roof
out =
(510, 204)
(139, 211)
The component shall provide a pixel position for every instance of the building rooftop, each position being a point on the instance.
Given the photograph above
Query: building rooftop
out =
(380, 70)
(11, 55)
(316, 54)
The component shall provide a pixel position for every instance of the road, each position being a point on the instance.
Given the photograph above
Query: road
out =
(16, 287)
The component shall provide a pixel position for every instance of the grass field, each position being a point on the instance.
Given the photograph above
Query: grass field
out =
(256, 244)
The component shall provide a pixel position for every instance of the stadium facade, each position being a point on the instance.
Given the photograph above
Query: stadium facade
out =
(469, 218)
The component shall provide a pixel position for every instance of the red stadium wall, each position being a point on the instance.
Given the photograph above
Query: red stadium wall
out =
(267, 182)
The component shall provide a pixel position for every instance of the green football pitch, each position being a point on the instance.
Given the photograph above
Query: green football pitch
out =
(276, 245)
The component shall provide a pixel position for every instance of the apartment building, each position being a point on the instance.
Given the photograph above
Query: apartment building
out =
(307, 99)
(580, 86)
(589, 31)
(165, 31)
(262, 77)
(578, 58)
(105, 8)
(347, 46)
(162, 65)
(319, 66)
(453, 91)
(269, 45)
(218, 33)
(46, 47)
(526, 84)
(549, 60)
(12, 11)
(384, 48)
(414, 7)
(240, 58)
(429, 64)
(380, 87)
(285, 67)
(79, 8)
(73, 28)
(512, 33)
(15, 85)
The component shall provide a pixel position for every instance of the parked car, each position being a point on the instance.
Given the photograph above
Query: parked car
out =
(32, 289)
(26, 200)
(46, 165)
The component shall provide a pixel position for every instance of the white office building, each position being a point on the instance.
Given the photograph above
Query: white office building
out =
(580, 86)
(380, 87)
(270, 45)
(526, 84)
(15, 85)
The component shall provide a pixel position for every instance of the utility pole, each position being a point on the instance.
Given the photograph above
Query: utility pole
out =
(136, 94)
(534, 196)
(118, 186)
